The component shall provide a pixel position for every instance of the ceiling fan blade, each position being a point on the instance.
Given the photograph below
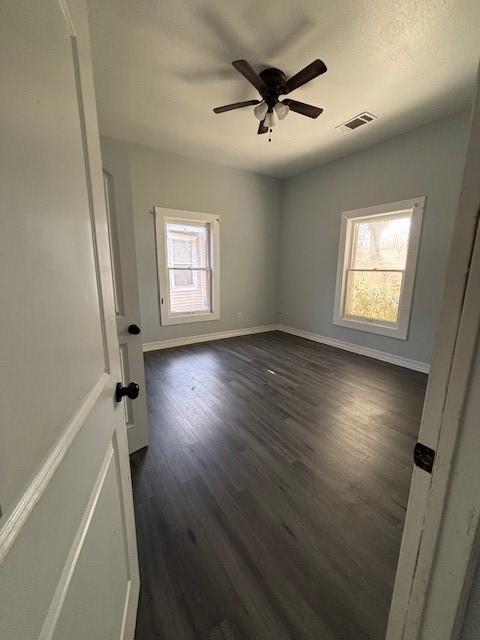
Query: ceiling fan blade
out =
(262, 128)
(314, 69)
(250, 74)
(236, 105)
(305, 109)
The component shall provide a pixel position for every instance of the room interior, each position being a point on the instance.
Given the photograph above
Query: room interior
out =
(251, 286)
(278, 235)
(279, 243)
(262, 507)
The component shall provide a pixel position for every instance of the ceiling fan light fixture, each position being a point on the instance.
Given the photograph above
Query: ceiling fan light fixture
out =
(281, 110)
(269, 120)
(271, 84)
(260, 111)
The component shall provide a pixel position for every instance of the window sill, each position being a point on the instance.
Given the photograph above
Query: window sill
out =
(190, 318)
(371, 327)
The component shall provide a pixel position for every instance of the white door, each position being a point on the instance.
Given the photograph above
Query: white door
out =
(125, 289)
(68, 564)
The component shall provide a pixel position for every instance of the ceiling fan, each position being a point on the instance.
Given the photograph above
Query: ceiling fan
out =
(272, 83)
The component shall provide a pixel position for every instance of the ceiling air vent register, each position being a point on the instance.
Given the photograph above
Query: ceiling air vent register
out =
(356, 122)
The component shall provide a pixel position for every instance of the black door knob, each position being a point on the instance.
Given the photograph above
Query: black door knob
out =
(133, 328)
(131, 391)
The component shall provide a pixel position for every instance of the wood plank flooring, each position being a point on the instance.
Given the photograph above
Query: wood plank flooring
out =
(270, 503)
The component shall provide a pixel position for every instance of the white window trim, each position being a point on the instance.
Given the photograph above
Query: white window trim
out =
(400, 329)
(162, 216)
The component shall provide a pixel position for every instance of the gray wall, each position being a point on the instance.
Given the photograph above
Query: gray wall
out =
(471, 624)
(248, 204)
(427, 161)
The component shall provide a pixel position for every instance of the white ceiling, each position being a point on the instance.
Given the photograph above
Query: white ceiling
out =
(161, 65)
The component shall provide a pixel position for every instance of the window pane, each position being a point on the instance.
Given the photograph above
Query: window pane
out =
(183, 279)
(190, 291)
(183, 252)
(187, 244)
(373, 295)
(381, 244)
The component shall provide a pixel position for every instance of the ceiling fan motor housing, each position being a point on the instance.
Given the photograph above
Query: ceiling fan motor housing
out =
(275, 85)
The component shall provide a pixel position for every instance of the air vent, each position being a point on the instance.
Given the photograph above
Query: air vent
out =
(356, 122)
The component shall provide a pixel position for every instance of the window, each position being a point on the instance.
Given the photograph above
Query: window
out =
(376, 267)
(188, 265)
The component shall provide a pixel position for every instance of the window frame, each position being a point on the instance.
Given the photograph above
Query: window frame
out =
(394, 330)
(162, 217)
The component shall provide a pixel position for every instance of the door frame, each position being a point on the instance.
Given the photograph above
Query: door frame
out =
(438, 553)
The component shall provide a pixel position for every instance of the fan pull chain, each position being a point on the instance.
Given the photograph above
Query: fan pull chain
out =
(270, 135)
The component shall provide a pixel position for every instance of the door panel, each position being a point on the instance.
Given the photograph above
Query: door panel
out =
(46, 531)
(47, 318)
(122, 247)
(96, 609)
(67, 537)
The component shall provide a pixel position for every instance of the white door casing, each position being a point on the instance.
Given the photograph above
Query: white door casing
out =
(125, 287)
(68, 563)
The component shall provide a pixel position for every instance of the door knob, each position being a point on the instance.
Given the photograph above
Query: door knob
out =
(131, 391)
(134, 328)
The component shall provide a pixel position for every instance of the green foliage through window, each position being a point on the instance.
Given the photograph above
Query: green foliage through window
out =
(373, 295)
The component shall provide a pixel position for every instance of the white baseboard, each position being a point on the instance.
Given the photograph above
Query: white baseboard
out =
(206, 337)
(423, 367)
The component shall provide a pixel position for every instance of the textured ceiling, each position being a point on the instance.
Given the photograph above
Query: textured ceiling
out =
(161, 65)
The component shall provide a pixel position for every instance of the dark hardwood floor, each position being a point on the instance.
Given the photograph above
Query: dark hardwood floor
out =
(270, 503)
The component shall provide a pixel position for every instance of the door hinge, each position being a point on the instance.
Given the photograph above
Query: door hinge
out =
(424, 457)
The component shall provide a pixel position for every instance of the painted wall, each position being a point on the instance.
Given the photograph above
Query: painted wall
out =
(426, 161)
(248, 205)
(471, 624)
